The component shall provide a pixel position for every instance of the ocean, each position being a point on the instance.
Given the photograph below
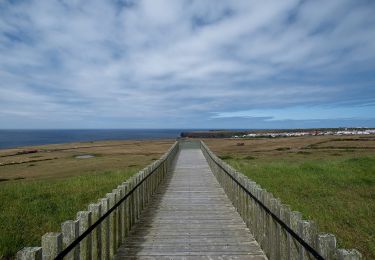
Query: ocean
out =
(16, 138)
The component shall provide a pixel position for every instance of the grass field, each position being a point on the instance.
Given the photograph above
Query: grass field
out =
(37, 195)
(330, 180)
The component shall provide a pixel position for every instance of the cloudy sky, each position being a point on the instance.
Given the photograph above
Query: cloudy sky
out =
(187, 64)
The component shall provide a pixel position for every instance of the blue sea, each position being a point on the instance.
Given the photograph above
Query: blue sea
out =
(16, 138)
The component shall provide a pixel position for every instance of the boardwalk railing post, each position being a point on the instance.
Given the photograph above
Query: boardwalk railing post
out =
(105, 229)
(139, 193)
(295, 218)
(131, 202)
(307, 231)
(51, 245)
(84, 218)
(112, 225)
(267, 232)
(257, 231)
(275, 248)
(122, 214)
(285, 236)
(127, 210)
(118, 218)
(263, 240)
(143, 197)
(96, 236)
(252, 208)
(326, 245)
(70, 231)
(136, 200)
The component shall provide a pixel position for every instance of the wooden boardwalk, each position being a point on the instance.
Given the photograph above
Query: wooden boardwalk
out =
(190, 218)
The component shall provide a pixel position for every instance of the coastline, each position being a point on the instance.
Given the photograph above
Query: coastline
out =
(26, 138)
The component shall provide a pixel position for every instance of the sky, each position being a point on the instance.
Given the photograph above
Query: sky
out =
(187, 64)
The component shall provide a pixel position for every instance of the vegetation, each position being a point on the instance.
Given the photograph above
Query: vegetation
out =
(334, 186)
(35, 207)
(37, 197)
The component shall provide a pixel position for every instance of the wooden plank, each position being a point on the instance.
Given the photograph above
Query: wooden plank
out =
(190, 217)
(196, 257)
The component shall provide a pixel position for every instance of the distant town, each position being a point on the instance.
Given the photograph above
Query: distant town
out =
(306, 133)
(238, 134)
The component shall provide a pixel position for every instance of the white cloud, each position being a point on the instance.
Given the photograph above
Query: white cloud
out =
(302, 113)
(101, 59)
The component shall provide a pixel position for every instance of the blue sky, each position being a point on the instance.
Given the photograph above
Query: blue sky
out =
(187, 64)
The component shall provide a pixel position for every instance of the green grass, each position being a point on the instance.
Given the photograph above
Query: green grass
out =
(28, 209)
(338, 193)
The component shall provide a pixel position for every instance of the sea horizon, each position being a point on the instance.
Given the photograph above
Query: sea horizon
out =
(13, 138)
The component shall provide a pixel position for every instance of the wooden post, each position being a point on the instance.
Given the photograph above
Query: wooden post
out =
(29, 253)
(244, 198)
(135, 200)
(122, 213)
(247, 204)
(143, 191)
(284, 235)
(139, 196)
(258, 216)
(127, 211)
(237, 193)
(118, 193)
(132, 202)
(149, 187)
(326, 245)
(105, 229)
(274, 230)
(295, 218)
(308, 232)
(153, 180)
(135, 205)
(240, 207)
(84, 218)
(140, 188)
(264, 199)
(112, 225)
(267, 223)
(51, 245)
(96, 234)
(252, 208)
(70, 231)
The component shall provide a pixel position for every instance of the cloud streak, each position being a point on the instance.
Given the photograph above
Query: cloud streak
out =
(144, 63)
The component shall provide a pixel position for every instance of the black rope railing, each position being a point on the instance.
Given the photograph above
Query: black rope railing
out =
(300, 240)
(70, 247)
